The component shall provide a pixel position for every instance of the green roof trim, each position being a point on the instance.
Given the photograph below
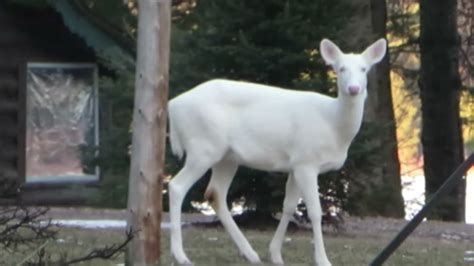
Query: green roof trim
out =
(105, 40)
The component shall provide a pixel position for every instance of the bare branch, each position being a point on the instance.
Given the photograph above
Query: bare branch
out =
(22, 226)
(107, 252)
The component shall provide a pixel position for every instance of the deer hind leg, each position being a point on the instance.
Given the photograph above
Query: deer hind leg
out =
(216, 193)
(292, 196)
(194, 168)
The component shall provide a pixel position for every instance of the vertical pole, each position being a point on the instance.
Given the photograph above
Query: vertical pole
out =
(149, 131)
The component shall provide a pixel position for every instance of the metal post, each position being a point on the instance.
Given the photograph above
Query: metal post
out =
(448, 185)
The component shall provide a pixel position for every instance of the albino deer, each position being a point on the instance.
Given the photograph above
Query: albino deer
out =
(222, 124)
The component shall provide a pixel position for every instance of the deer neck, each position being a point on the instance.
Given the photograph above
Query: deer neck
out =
(350, 111)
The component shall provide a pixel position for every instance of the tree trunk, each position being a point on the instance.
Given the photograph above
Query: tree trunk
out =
(390, 166)
(440, 85)
(381, 193)
(149, 131)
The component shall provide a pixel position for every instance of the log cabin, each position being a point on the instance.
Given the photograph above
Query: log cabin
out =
(49, 69)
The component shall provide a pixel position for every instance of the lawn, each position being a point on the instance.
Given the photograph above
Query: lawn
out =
(212, 246)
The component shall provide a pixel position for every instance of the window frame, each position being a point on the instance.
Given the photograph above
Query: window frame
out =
(56, 180)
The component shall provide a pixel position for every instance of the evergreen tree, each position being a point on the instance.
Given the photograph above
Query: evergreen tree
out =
(271, 42)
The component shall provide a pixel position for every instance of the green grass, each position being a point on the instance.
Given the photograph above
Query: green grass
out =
(212, 246)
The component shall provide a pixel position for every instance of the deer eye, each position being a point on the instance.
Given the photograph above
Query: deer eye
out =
(342, 69)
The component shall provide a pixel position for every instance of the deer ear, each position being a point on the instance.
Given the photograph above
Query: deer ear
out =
(375, 52)
(329, 51)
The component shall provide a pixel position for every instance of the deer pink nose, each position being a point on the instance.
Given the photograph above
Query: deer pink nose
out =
(353, 89)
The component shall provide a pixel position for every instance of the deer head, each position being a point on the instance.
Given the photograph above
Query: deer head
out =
(352, 69)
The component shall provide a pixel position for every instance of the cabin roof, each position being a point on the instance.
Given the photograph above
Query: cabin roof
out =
(96, 32)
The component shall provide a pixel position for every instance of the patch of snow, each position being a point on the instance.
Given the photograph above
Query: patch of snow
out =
(95, 224)
(469, 256)
(413, 191)
(470, 199)
(206, 208)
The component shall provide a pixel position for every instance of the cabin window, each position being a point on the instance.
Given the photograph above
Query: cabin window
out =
(61, 123)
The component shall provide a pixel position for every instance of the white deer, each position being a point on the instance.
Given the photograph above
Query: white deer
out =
(222, 124)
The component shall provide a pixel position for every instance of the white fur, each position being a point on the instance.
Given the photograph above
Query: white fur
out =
(222, 124)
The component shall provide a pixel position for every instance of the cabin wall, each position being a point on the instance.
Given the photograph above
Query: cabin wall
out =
(28, 35)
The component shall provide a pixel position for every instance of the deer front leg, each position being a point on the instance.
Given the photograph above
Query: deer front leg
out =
(292, 195)
(306, 179)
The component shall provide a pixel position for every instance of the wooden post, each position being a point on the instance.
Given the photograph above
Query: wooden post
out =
(149, 131)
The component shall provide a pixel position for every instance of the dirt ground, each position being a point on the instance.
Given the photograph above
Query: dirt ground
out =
(353, 226)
